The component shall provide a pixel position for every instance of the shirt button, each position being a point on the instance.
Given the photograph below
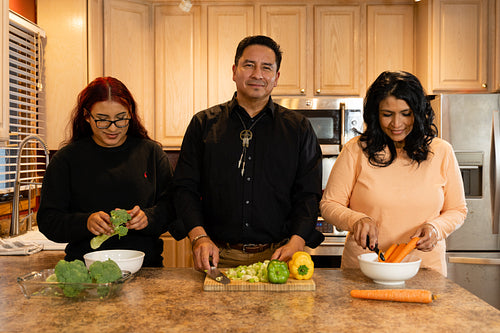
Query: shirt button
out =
(249, 157)
(246, 224)
(247, 202)
(249, 179)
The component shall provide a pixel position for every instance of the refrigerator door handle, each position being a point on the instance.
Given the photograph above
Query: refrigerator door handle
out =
(495, 171)
(474, 261)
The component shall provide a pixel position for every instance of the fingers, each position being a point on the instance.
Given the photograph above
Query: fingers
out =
(99, 223)
(363, 228)
(428, 238)
(139, 219)
(203, 249)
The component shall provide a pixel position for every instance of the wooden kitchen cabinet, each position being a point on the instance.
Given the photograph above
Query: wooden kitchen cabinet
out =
(227, 25)
(176, 253)
(287, 25)
(179, 89)
(337, 48)
(389, 39)
(452, 41)
(4, 72)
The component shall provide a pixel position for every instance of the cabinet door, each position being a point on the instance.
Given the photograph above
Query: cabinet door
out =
(227, 25)
(287, 26)
(176, 253)
(336, 48)
(496, 52)
(389, 40)
(179, 88)
(128, 52)
(460, 45)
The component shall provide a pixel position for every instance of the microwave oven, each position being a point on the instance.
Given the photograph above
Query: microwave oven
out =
(334, 120)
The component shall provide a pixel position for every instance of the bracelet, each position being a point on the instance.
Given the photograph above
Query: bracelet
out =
(196, 238)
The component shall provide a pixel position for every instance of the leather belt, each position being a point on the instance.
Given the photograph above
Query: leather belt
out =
(248, 248)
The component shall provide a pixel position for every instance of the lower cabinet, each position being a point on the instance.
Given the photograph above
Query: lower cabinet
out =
(176, 253)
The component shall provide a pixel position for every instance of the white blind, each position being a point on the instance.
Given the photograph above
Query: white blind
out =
(26, 117)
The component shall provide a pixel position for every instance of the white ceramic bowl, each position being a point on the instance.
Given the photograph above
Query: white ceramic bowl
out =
(388, 273)
(127, 260)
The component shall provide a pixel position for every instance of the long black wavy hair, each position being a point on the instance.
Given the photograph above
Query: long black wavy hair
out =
(405, 86)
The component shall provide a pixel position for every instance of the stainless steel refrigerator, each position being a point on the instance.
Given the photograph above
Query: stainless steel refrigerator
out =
(471, 123)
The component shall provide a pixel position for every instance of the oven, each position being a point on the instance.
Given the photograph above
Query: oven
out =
(335, 121)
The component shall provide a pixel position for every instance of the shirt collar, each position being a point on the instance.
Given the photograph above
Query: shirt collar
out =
(269, 108)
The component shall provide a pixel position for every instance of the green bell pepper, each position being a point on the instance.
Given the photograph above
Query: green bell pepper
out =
(277, 271)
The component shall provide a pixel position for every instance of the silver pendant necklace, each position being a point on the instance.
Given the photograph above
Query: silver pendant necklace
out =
(245, 136)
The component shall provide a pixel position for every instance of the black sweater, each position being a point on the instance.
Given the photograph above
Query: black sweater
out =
(83, 178)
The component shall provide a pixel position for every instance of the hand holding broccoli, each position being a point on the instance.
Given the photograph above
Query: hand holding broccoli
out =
(119, 218)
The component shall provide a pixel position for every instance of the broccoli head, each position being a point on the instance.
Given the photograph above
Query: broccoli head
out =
(105, 271)
(72, 272)
(118, 218)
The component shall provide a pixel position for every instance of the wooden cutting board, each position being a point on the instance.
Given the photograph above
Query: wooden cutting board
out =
(235, 285)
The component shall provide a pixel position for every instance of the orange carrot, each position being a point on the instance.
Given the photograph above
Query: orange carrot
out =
(398, 249)
(389, 251)
(397, 295)
(406, 250)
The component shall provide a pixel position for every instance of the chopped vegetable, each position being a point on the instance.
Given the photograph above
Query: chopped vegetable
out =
(72, 272)
(406, 250)
(397, 295)
(301, 266)
(253, 273)
(118, 218)
(277, 271)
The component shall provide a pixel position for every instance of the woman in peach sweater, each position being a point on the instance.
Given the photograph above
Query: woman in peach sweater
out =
(396, 180)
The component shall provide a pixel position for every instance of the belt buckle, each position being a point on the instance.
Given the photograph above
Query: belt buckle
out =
(247, 245)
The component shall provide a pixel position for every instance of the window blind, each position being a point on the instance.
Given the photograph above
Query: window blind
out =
(26, 116)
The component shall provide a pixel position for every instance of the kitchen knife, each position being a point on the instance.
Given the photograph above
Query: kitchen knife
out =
(375, 249)
(217, 275)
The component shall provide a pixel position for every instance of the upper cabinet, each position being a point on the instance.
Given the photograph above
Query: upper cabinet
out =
(453, 45)
(287, 25)
(337, 48)
(389, 39)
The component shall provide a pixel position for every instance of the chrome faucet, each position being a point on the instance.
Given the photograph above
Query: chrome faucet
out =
(15, 222)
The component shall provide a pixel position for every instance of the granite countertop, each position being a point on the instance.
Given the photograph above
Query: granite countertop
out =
(173, 300)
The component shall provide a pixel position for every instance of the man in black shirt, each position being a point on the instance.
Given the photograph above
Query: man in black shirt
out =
(248, 179)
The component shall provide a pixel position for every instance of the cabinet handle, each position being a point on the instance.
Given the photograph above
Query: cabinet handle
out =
(302, 91)
(484, 85)
(318, 91)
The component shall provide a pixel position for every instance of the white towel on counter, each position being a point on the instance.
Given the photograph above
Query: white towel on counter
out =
(11, 248)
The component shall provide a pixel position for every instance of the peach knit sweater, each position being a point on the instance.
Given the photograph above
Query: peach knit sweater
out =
(399, 197)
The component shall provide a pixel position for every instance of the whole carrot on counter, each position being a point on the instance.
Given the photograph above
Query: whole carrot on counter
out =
(406, 250)
(396, 295)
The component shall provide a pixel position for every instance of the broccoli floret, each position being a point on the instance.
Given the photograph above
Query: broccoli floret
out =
(118, 218)
(104, 272)
(72, 272)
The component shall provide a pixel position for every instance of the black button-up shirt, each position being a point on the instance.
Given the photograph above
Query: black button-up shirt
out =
(273, 195)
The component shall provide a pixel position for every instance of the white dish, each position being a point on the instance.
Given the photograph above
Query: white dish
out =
(387, 273)
(127, 260)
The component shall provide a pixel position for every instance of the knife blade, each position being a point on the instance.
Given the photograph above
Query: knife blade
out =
(217, 275)
(375, 249)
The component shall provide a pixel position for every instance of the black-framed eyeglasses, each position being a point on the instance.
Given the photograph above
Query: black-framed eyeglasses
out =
(103, 124)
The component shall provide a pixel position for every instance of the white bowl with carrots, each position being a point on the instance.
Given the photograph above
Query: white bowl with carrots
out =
(388, 273)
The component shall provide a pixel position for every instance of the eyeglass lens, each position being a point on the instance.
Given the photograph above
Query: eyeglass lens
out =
(107, 123)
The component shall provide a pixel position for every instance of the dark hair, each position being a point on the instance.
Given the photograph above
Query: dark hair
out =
(259, 40)
(405, 86)
(99, 90)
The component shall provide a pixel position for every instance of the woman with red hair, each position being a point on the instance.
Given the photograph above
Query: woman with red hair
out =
(108, 162)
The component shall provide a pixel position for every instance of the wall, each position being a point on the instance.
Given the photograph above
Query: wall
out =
(25, 8)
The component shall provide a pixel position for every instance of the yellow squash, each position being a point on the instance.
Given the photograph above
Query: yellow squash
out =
(301, 266)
